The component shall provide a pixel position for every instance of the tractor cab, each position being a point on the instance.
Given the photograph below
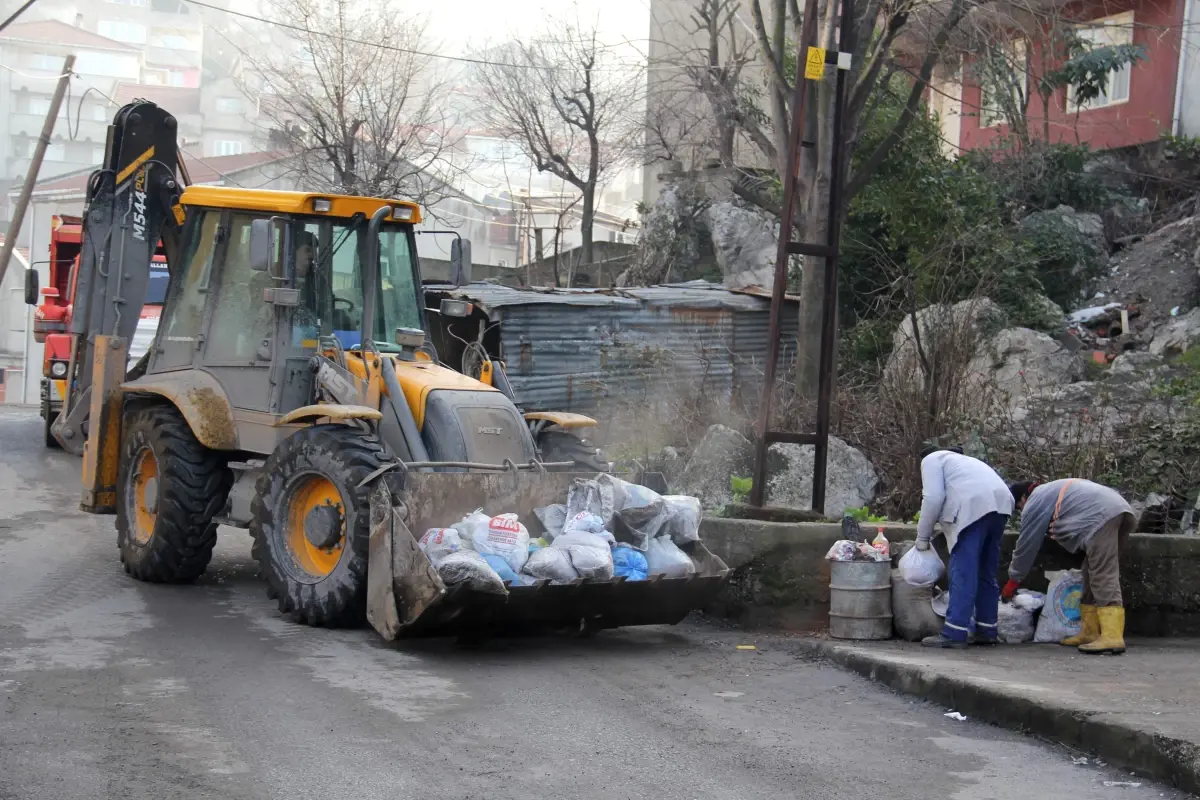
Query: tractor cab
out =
(349, 279)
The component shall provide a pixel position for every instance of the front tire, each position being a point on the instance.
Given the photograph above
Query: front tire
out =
(169, 489)
(312, 523)
(48, 418)
(557, 446)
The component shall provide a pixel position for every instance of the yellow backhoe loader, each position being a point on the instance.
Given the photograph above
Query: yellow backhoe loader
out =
(290, 391)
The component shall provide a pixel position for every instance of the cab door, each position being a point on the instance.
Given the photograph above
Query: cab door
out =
(180, 335)
(242, 337)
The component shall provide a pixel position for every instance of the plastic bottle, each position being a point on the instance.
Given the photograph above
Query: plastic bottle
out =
(880, 543)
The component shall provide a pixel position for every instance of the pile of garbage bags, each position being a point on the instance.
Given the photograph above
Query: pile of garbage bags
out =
(919, 607)
(607, 528)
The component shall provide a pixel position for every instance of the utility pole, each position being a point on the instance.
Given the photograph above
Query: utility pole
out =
(35, 166)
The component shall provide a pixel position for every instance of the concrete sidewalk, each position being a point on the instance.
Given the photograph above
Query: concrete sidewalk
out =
(1140, 711)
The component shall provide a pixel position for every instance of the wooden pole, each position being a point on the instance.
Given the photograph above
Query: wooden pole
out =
(35, 166)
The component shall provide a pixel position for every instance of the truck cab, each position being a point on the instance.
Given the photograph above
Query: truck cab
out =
(52, 316)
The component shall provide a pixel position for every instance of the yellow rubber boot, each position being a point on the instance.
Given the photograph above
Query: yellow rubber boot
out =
(1090, 631)
(1112, 632)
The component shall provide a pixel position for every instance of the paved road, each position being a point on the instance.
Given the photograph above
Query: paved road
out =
(110, 688)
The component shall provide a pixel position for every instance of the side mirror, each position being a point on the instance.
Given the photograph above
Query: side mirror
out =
(460, 262)
(266, 246)
(31, 286)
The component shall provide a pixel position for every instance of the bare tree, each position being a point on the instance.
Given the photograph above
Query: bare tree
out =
(568, 106)
(354, 99)
(712, 60)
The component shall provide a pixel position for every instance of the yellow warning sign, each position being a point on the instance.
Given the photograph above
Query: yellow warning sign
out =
(814, 67)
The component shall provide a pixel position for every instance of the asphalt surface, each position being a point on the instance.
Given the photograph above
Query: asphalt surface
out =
(111, 688)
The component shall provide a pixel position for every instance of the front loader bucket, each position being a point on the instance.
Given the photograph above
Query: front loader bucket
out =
(405, 595)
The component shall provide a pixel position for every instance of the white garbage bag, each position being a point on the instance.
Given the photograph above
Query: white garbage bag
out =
(1060, 616)
(468, 526)
(553, 518)
(641, 513)
(503, 536)
(663, 557)
(682, 522)
(1014, 624)
(593, 496)
(921, 567)
(587, 522)
(551, 564)
(437, 543)
(1029, 600)
(912, 611)
(467, 566)
(591, 554)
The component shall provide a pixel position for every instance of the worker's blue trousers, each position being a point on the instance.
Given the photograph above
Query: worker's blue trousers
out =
(974, 591)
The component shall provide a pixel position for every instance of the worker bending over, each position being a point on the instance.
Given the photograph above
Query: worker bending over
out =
(1079, 515)
(972, 504)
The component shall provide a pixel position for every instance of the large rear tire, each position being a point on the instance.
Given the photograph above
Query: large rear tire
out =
(169, 489)
(312, 523)
(558, 446)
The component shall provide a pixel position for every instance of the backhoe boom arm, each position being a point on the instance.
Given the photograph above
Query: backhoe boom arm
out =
(132, 202)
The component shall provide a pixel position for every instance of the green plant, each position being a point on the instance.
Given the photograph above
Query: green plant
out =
(864, 515)
(740, 487)
(1182, 147)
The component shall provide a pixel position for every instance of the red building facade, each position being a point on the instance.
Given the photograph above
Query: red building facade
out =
(1141, 105)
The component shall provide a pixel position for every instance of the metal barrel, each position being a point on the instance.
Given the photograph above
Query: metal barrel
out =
(860, 599)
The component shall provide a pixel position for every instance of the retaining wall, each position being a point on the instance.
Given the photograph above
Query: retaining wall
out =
(780, 577)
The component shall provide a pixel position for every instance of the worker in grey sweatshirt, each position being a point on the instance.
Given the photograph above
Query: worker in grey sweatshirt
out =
(1079, 515)
(971, 504)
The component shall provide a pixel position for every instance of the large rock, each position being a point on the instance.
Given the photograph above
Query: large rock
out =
(1088, 411)
(1136, 366)
(1018, 362)
(721, 454)
(672, 236)
(745, 242)
(1177, 335)
(959, 327)
(850, 478)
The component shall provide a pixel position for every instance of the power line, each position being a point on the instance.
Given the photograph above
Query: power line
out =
(16, 14)
(381, 46)
(182, 152)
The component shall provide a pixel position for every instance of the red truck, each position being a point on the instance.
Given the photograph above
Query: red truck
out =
(52, 316)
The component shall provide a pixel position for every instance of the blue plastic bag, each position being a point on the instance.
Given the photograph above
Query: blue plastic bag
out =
(502, 567)
(629, 563)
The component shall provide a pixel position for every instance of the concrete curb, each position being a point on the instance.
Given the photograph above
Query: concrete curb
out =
(1163, 758)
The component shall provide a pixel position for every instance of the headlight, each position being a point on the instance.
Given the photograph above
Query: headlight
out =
(58, 369)
(322, 204)
(402, 213)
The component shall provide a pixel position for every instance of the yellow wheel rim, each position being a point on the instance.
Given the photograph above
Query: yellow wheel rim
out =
(144, 490)
(310, 492)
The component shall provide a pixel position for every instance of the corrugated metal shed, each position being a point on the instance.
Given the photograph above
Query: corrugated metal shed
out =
(571, 349)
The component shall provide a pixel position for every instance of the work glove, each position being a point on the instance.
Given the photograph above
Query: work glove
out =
(1009, 590)
(922, 544)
